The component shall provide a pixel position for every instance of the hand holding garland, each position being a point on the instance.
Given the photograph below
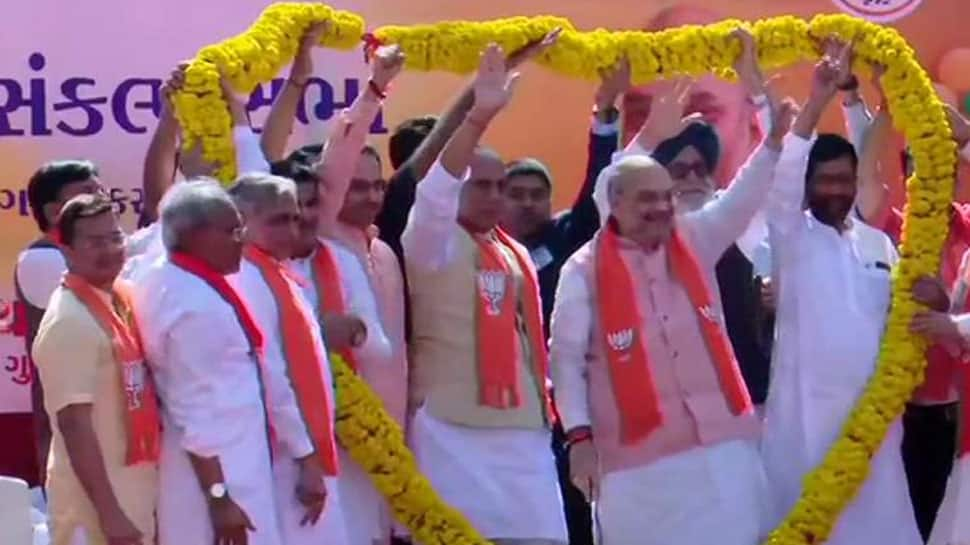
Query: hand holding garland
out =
(493, 88)
(279, 124)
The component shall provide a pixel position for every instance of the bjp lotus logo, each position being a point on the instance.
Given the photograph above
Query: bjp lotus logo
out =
(493, 288)
(621, 340)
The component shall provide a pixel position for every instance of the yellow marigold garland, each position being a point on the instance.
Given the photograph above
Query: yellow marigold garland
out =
(376, 442)
(693, 50)
(248, 59)
(372, 437)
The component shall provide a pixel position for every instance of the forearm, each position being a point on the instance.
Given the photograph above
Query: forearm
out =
(458, 152)
(873, 196)
(808, 118)
(443, 130)
(208, 471)
(857, 118)
(86, 457)
(160, 164)
(279, 124)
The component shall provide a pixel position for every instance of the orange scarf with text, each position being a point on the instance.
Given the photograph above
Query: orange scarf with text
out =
(328, 283)
(497, 314)
(303, 364)
(626, 350)
(117, 320)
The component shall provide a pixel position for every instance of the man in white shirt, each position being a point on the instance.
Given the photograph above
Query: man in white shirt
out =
(833, 277)
(481, 432)
(301, 389)
(206, 353)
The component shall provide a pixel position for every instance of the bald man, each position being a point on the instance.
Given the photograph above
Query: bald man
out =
(660, 424)
(481, 431)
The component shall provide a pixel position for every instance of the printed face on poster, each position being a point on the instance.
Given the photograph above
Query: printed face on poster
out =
(82, 80)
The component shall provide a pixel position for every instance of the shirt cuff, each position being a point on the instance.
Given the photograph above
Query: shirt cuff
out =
(963, 325)
(599, 128)
(438, 175)
(798, 145)
(249, 153)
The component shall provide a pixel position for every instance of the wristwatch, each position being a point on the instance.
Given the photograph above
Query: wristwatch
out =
(217, 491)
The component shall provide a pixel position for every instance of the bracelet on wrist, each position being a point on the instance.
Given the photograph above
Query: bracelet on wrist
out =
(579, 434)
(376, 89)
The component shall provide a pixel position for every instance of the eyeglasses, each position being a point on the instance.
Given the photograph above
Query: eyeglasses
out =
(679, 171)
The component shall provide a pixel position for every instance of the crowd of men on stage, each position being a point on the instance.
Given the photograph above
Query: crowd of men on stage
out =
(689, 336)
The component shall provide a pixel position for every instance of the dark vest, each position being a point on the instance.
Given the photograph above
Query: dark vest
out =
(741, 301)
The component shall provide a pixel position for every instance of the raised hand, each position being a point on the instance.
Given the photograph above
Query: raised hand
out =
(532, 49)
(302, 67)
(666, 118)
(614, 81)
(493, 84)
(386, 65)
(174, 84)
(746, 65)
(783, 114)
(833, 70)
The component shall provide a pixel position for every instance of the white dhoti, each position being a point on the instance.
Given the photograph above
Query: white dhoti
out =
(716, 494)
(183, 511)
(952, 525)
(365, 510)
(329, 530)
(503, 480)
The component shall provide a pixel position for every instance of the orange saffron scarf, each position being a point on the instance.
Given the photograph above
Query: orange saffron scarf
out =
(497, 314)
(217, 281)
(142, 421)
(303, 360)
(626, 350)
(328, 283)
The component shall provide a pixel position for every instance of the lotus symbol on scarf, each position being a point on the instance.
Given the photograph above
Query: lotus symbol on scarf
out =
(492, 286)
(621, 341)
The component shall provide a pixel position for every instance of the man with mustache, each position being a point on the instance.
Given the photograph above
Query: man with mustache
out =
(833, 298)
(103, 472)
(351, 185)
(648, 387)
(481, 431)
(206, 353)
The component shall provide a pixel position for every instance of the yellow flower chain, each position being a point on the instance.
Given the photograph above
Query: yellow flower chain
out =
(373, 438)
(376, 442)
(254, 57)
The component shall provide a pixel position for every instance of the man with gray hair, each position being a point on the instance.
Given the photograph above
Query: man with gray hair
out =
(205, 351)
(300, 386)
(660, 426)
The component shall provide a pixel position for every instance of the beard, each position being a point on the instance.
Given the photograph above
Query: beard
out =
(831, 210)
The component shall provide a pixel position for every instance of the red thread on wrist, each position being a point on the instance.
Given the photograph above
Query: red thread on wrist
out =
(381, 94)
(578, 435)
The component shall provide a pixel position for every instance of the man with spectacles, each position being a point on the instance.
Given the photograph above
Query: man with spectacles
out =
(103, 472)
(300, 387)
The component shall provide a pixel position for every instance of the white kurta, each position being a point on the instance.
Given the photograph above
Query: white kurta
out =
(503, 479)
(952, 526)
(292, 439)
(365, 510)
(209, 386)
(714, 493)
(834, 293)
